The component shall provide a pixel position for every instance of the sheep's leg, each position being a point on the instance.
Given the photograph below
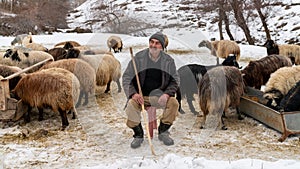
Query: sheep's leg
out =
(222, 123)
(218, 62)
(203, 121)
(107, 87)
(178, 98)
(74, 112)
(191, 106)
(86, 98)
(119, 85)
(41, 114)
(64, 118)
(240, 117)
(79, 99)
(224, 115)
(27, 114)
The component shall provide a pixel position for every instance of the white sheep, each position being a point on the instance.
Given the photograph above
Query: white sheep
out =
(83, 71)
(290, 51)
(35, 46)
(107, 68)
(166, 41)
(6, 70)
(22, 39)
(115, 43)
(26, 59)
(280, 82)
(55, 88)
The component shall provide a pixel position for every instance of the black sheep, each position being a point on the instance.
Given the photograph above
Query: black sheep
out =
(190, 76)
(290, 102)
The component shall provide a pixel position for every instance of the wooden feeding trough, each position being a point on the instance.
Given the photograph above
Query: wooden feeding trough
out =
(287, 123)
(10, 108)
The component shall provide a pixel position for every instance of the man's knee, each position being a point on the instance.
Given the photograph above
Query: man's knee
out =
(173, 102)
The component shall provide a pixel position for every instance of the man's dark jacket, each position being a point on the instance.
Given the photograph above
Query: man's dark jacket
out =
(170, 78)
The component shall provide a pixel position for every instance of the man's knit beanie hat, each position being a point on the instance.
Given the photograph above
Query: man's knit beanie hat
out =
(160, 37)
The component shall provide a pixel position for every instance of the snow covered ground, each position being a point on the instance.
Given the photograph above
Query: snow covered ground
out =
(99, 138)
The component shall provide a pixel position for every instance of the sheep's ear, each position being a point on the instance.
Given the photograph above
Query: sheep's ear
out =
(26, 54)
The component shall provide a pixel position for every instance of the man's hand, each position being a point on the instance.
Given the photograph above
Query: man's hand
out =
(163, 99)
(138, 98)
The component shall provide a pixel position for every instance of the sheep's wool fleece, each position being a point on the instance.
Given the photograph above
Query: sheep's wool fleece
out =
(283, 79)
(56, 87)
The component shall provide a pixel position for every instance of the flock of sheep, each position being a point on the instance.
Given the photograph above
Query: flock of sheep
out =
(221, 86)
(75, 70)
(71, 74)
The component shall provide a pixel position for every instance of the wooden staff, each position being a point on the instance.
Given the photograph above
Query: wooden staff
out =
(143, 106)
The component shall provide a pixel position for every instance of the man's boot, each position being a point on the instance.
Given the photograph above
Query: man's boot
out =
(164, 135)
(138, 136)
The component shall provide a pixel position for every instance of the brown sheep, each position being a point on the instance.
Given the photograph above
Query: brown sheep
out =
(55, 88)
(62, 53)
(219, 89)
(73, 43)
(258, 72)
(83, 71)
(222, 48)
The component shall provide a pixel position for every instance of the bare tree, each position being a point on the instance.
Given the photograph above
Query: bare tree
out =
(223, 8)
(259, 4)
(237, 7)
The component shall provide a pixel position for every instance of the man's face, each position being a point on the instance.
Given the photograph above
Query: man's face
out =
(155, 47)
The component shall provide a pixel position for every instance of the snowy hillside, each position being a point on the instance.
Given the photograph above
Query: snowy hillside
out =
(149, 16)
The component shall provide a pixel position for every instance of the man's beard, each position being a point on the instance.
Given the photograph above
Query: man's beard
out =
(154, 51)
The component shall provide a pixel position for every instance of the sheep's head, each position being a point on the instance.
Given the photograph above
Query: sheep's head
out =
(8, 53)
(231, 61)
(13, 54)
(68, 45)
(73, 53)
(272, 47)
(274, 97)
(270, 44)
(205, 43)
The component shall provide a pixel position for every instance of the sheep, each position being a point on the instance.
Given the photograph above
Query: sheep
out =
(290, 101)
(107, 69)
(166, 41)
(280, 82)
(288, 50)
(94, 52)
(222, 48)
(83, 71)
(73, 43)
(21, 39)
(58, 53)
(115, 43)
(190, 76)
(26, 59)
(35, 46)
(6, 70)
(55, 88)
(220, 88)
(62, 53)
(258, 72)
